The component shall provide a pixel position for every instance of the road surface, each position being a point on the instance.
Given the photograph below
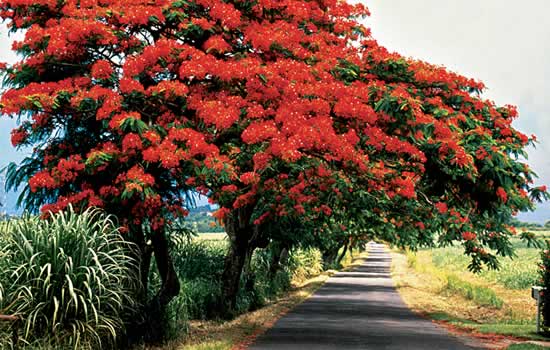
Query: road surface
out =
(359, 309)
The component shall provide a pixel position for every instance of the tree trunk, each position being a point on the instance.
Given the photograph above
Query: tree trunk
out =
(153, 327)
(144, 267)
(170, 287)
(341, 257)
(274, 264)
(233, 266)
(329, 257)
(240, 232)
(279, 257)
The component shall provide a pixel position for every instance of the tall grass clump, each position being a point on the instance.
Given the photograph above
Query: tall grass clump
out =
(481, 295)
(70, 278)
(305, 263)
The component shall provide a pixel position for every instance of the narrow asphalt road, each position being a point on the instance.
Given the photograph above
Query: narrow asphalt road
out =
(360, 309)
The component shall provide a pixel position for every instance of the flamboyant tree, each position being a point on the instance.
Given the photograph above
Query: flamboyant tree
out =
(281, 111)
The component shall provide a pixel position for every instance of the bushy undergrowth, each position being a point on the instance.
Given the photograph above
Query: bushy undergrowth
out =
(305, 263)
(70, 278)
(199, 265)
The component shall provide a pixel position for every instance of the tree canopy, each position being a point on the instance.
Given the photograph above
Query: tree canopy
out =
(286, 113)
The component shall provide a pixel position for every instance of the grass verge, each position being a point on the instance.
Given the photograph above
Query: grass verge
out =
(464, 301)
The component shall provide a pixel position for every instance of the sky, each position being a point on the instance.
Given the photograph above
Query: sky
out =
(504, 43)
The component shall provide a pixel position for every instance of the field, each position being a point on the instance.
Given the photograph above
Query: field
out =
(436, 282)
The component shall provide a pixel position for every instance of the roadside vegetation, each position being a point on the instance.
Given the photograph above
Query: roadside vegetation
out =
(437, 283)
(72, 279)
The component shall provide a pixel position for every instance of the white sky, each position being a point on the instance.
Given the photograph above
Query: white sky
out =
(504, 43)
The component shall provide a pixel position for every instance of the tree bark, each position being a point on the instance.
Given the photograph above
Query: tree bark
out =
(240, 232)
(144, 267)
(233, 266)
(170, 287)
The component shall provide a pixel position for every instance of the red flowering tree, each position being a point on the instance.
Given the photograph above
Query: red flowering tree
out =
(281, 111)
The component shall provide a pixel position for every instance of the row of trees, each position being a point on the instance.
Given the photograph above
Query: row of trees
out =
(287, 114)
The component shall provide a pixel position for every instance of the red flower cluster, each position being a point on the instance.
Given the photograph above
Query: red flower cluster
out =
(469, 236)
(18, 136)
(502, 195)
(102, 70)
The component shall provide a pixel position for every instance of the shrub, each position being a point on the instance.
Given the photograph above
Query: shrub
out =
(71, 278)
(305, 263)
(199, 265)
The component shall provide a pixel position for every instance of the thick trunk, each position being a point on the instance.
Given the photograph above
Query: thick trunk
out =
(234, 263)
(170, 287)
(329, 257)
(241, 235)
(152, 328)
(250, 277)
(145, 266)
(274, 264)
(147, 325)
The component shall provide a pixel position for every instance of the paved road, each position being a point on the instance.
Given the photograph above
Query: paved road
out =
(360, 309)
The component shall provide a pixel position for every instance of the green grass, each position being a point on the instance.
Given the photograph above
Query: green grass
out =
(520, 272)
(526, 346)
(526, 330)
(481, 295)
(497, 309)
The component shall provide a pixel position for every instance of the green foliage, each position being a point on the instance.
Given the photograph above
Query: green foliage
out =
(199, 265)
(71, 278)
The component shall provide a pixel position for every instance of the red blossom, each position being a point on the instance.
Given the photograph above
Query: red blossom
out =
(249, 178)
(441, 207)
(502, 195)
(469, 236)
(18, 136)
(102, 70)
